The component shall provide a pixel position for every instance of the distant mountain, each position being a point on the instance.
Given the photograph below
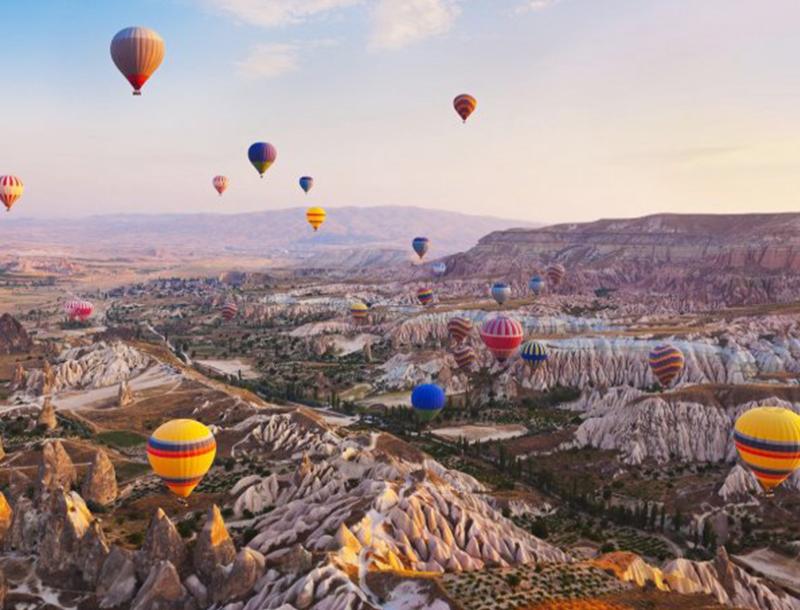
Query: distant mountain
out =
(269, 233)
(747, 258)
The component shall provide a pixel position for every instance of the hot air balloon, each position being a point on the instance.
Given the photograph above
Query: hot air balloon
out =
(421, 245)
(79, 309)
(533, 354)
(768, 441)
(262, 155)
(220, 184)
(501, 292)
(666, 362)
(465, 357)
(315, 217)
(425, 296)
(229, 310)
(428, 400)
(439, 269)
(465, 105)
(555, 274)
(536, 284)
(306, 182)
(11, 189)
(459, 328)
(180, 452)
(359, 311)
(137, 53)
(502, 336)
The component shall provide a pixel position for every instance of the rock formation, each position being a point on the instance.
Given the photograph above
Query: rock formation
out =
(2, 450)
(116, 583)
(213, 546)
(14, 338)
(19, 379)
(46, 381)
(124, 394)
(162, 589)
(47, 415)
(235, 581)
(6, 517)
(161, 543)
(56, 468)
(100, 483)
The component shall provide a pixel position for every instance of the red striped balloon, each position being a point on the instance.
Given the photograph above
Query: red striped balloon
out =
(229, 310)
(465, 105)
(465, 357)
(11, 189)
(459, 329)
(666, 362)
(220, 183)
(79, 309)
(502, 336)
(555, 274)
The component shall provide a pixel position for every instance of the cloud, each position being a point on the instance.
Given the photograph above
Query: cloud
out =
(397, 23)
(535, 5)
(270, 13)
(269, 60)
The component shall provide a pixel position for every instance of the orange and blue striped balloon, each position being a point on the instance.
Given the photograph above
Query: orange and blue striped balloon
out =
(768, 441)
(666, 362)
(180, 452)
(359, 311)
(425, 296)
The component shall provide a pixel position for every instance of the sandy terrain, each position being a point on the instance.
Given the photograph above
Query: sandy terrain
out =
(482, 433)
(230, 367)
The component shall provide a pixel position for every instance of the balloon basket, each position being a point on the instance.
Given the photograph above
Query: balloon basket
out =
(137, 92)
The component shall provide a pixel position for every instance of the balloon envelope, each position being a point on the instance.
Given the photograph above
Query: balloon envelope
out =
(536, 284)
(359, 311)
(425, 296)
(428, 401)
(11, 189)
(459, 328)
(465, 105)
(137, 52)
(502, 336)
(421, 245)
(439, 268)
(79, 309)
(306, 182)
(666, 362)
(315, 217)
(220, 183)
(262, 155)
(533, 354)
(180, 452)
(465, 357)
(229, 310)
(768, 441)
(555, 274)
(501, 292)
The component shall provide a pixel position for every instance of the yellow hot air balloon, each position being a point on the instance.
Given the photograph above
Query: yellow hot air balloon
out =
(315, 217)
(180, 452)
(768, 441)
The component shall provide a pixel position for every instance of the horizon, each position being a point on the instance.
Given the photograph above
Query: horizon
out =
(624, 107)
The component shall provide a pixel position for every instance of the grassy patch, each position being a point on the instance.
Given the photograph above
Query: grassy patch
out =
(121, 438)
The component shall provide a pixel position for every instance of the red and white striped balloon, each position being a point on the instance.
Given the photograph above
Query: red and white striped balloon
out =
(220, 183)
(229, 310)
(502, 335)
(11, 189)
(79, 309)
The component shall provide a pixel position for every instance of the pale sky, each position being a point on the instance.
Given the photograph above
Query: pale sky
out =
(587, 108)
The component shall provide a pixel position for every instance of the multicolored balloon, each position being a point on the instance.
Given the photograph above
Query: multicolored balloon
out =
(536, 284)
(428, 401)
(768, 441)
(465, 105)
(555, 274)
(439, 269)
(533, 354)
(359, 311)
(465, 357)
(502, 336)
(79, 309)
(425, 296)
(306, 182)
(180, 452)
(262, 155)
(229, 310)
(666, 362)
(220, 184)
(501, 292)
(459, 328)
(315, 217)
(11, 189)
(421, 245)
(137, 52)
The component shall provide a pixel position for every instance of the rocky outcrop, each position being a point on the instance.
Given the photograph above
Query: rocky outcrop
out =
(235, 581)
(19, 378)
(47, 415)
(6, 517)
(100, 483)
(56, 469)
(2, 450)
(116, 584)
(161, 543)
(26, 526)
(73, 543)
(14, 338)
(162, 590)
(124, 394)
(3, 589)
(213, 546)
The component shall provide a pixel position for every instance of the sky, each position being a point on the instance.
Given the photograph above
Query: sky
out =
(586, 108)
